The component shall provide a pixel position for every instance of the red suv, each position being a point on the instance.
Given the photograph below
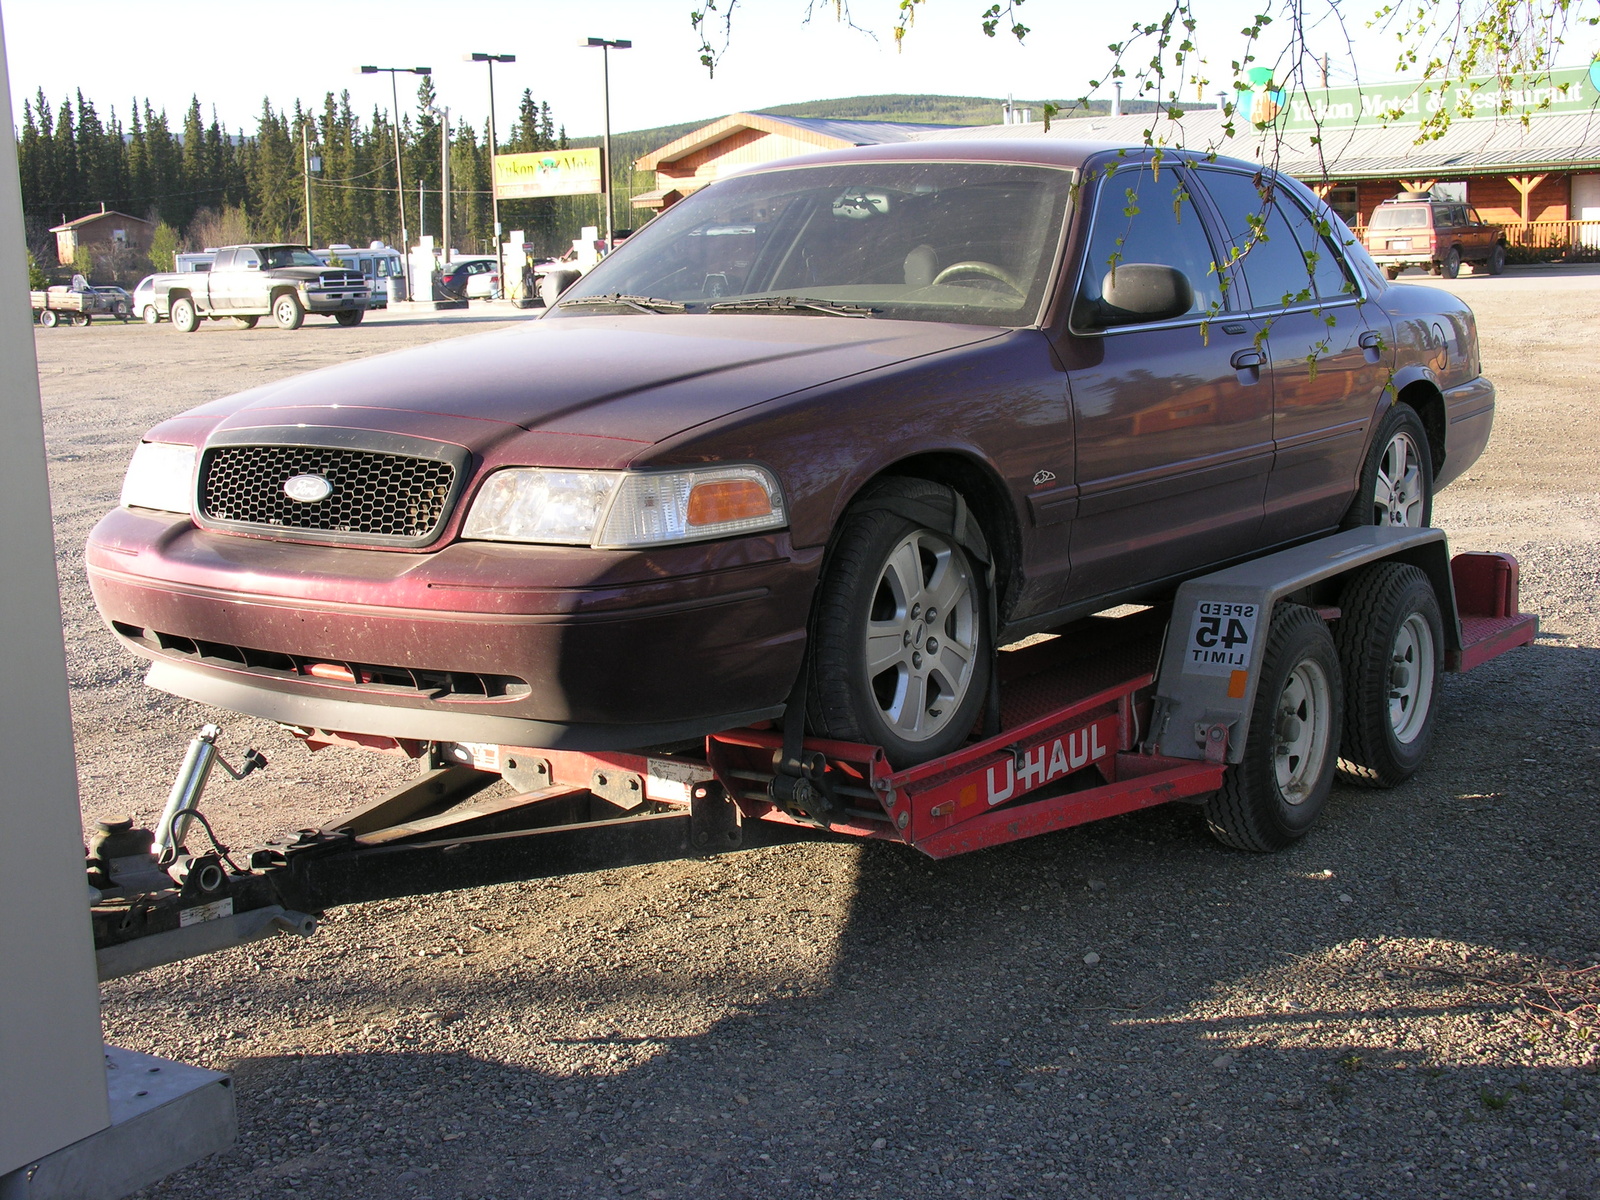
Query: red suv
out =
(1415, 230)
(866, 414)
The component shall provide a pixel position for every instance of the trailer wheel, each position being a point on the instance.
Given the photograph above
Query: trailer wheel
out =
(900, 649)
(1396, 484)
(1274, 795)
(48, 318)
(287, 311)
(184, 317)
(1390, 639)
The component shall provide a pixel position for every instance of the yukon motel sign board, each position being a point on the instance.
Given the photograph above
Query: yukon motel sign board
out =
(1559, 91)
(547, 173)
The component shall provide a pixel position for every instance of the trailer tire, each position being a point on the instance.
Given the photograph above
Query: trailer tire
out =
(48, 318)
(1390, 636)
(1274, 794)
(883, 571)
(184, 317)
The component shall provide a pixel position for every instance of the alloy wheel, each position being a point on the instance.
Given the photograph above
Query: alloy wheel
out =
(1398, 494)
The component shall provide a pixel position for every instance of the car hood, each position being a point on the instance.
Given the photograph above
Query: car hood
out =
(626, 380)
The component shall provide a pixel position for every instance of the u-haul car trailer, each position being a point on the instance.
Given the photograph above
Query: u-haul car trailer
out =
(1240, 696)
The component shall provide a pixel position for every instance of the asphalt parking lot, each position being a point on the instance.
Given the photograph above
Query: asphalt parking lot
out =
(1402, 1005)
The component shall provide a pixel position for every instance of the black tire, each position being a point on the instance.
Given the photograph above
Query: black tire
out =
(184, 317)
(1390, 637)
(287, 311)
(48, 318)
(83, 319)
(151, 316)
(1391, 272)
(350, 317)
(1497, 259)
(1451, 267)
(1383, 499)
(1273, 796)
(882, 569)
(246, 322)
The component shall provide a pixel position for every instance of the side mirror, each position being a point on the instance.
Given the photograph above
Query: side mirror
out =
(1137, 292)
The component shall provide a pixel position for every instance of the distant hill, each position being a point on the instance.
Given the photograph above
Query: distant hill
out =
(634, 144)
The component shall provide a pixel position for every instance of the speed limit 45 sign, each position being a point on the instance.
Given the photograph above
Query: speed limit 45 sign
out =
(1221, 636)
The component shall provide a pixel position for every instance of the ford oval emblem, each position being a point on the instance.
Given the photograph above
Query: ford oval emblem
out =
(307, 489)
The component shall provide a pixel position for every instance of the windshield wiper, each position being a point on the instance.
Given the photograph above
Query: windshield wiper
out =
(832, 308)
(646, 304)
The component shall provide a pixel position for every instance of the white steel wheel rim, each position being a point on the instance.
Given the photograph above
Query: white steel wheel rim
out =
(921, 641)
(1411, 662)
(1300, 741)
(285, 311)
(1397, 493)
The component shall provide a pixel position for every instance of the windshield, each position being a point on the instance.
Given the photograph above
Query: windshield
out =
(1413, 216)
(288, 256)
(964, 242)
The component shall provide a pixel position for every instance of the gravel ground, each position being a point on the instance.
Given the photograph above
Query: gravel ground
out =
(1121, 1010)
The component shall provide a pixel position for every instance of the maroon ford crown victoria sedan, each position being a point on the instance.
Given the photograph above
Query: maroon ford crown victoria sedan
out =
(862, 415)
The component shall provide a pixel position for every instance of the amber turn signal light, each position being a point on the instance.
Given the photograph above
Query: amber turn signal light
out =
(721, 500)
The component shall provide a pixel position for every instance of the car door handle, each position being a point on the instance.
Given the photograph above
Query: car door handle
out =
(1244, 360)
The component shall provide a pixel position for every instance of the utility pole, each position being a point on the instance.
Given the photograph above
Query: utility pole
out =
(494, 143)
(305, 156)
(606, 46)
(444, 184)
(399, 173)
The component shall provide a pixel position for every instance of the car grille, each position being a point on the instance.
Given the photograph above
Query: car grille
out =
(374, 495)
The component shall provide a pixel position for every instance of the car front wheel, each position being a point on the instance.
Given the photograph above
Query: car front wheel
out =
(1497, 260)
(287, 311)
(349, 317)
(1396, 486)
(900, 652)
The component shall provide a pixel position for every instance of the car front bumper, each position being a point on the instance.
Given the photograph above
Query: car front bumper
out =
(517, 645)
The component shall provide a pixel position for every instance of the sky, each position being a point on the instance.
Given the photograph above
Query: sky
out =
(231, 55)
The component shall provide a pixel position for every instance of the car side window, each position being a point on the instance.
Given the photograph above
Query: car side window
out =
(1143, 216)
(246, 260)
(223, 261)
(1286, 260)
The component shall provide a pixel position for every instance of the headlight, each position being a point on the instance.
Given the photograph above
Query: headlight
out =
(625, 509)
(160, 476)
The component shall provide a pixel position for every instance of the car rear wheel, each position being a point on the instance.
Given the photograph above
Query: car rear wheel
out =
(1452, 263)
(1497, 259)
(246, 322)
(184, 317)
(1396, 485)
(349, 317)
(287, 312)
(151, 316)
(900, 651)
(1274, 794)
(1390, 637)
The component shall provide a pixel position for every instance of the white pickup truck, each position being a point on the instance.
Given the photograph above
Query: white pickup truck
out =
(246, 283)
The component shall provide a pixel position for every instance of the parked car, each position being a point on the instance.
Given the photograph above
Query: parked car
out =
(472, 279)
(115, 301)
(246, 283)
(1415, 230)
(865, 414)
(149, 302)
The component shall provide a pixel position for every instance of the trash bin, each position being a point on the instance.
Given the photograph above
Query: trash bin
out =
(397, 288)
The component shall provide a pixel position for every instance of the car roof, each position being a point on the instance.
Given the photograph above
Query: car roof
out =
(1066, 153)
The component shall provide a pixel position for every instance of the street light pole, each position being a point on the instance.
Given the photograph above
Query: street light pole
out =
(606, 46)
(494, 141)
(399, 177)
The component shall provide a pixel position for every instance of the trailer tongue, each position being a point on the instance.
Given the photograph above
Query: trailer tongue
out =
(1235, 696)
